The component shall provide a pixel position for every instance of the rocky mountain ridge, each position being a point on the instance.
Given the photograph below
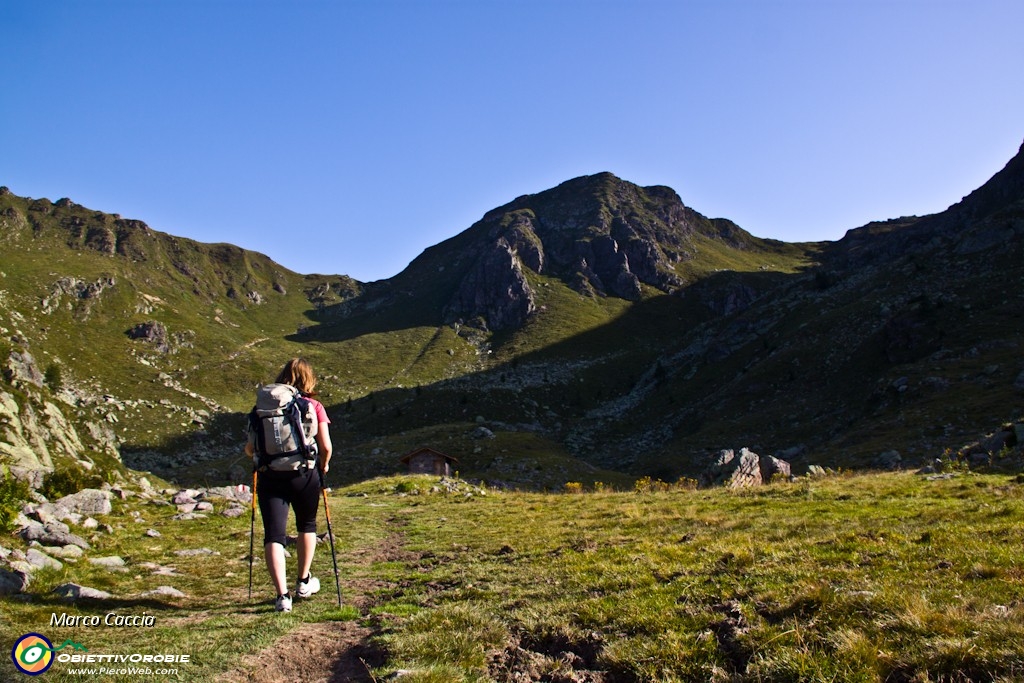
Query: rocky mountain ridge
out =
(596, 329)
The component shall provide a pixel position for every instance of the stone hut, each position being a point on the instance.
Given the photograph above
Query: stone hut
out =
(429, 461)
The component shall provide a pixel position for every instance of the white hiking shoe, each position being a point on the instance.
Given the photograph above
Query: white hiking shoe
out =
(304, 589)
(284, 603)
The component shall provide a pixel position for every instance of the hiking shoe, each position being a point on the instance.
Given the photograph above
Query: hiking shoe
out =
(284, 603)
(306, 587)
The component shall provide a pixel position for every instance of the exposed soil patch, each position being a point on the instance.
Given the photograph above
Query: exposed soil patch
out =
(553, 658)
(328, 652)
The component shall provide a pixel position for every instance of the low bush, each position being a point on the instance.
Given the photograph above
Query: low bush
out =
(13, 494)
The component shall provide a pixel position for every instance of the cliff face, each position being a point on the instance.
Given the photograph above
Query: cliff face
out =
(601, 235)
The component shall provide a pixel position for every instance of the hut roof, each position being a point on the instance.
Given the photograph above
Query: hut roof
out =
(408, 456)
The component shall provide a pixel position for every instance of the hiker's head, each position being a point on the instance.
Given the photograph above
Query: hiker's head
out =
(299, 374)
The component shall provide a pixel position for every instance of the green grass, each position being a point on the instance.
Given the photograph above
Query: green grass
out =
(851, 578)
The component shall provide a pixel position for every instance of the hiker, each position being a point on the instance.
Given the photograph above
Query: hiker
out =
(296, 483)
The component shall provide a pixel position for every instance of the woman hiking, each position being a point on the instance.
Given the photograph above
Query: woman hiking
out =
(292, 481)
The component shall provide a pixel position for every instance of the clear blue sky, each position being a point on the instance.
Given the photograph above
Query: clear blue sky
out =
(345, 137)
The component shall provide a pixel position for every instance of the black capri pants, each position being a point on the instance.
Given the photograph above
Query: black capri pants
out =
(277, 491)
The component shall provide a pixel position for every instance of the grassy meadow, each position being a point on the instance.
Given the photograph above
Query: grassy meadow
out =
(880, 577)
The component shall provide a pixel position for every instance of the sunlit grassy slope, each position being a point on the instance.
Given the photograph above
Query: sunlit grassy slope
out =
(890, 577)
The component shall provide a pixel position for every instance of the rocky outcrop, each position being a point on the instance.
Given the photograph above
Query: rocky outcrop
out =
(21, 367)
(153, 332)
(495, 294)
(76, 295)
(602, 235)
(743, 469)
(33, 431)
(21, 438)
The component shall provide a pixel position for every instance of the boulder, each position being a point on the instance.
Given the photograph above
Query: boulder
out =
(52, 534)
(186, 496)
(65, 552)
(153, 332)
(746, 468)
(889, 460)
(772, 467)
(747, 471)
(71, 592)
(112, 561)
(86, 502)
(240, 493)
(12, 581)
(40, 560)
(164, 591)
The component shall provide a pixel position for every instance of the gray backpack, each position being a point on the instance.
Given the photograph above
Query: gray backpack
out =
(282, 428)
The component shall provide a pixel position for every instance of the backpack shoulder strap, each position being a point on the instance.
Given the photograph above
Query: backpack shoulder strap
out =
(295, 411)
(257, 431)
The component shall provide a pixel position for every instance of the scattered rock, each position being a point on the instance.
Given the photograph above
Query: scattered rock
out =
(66, 552)
(73, 591)
(188, 516)
(54, 533)
(164, 591)
(186, 497)
(111, 561)
(40, 560)
(195, 552)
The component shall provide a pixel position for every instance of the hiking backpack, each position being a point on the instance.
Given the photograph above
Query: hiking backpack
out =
(282, 428)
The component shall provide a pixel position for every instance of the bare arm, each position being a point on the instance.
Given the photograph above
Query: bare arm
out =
(324, 446)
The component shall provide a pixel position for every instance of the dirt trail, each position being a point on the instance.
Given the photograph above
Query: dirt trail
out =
(325, 652)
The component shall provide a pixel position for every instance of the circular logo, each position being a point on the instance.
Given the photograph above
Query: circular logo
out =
(32, 654)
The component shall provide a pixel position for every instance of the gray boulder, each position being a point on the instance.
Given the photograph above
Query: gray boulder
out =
(772, 468)
(12, 582)
(164, 591)
(889, 460)
(54, 533)
(72, 591)
(746, 468)
(85, 502)
(40, 560)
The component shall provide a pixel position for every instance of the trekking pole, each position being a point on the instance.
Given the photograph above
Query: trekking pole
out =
(252, 528)
(330, 534)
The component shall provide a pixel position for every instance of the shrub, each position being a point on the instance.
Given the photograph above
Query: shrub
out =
(54, 377)
(407, 487)
(13, 494)
(66, 480)
(573, 487)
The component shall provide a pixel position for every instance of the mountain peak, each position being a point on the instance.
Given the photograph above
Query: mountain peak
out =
(602, 235)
